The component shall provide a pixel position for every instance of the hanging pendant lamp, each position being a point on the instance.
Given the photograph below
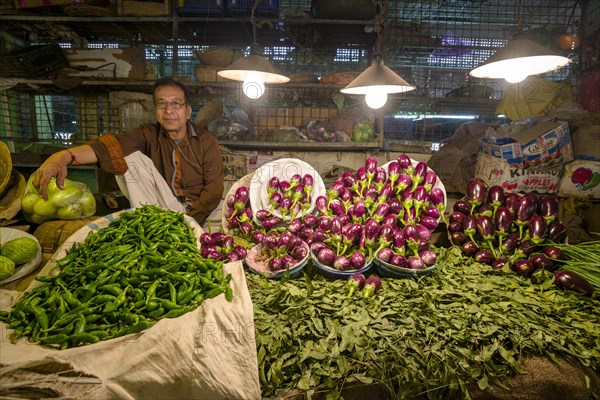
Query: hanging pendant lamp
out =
(519, 59)
(254, 70)
(376, 82)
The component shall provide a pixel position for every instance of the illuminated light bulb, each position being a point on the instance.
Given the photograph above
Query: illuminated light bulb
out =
(376, 100)
(515, 76)
(253, 86)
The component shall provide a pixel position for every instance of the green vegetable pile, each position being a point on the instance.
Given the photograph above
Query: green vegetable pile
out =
(435, 335)
(144, 266)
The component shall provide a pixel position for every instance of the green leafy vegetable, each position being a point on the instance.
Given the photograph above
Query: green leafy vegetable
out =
(467, 323)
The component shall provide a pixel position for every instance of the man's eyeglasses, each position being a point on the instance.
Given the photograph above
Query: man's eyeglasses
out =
(162, 105)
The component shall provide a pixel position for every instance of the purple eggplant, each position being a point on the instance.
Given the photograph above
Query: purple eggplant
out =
(276, 264)
(385, 254)
(457, 216)
(306, 232)
(524, 209)
(430, 211)
(510, 200)
(503, 220)
(429, 257)
(245, 229)
(495, 196)
(419, 174)
(371, 166)
(337, 207)
(355, 283)
(540, 261)
(390, 219)
(405, 163)
(295, 226)
(537, 229)
(316, 247)
(342, 263)
(381, 211)
(393, 173)
(322, 205)
(569, 280)
(358, 260)
(430, 180)
(372, 286)
(486, 227)
(523, 267)
(326, 256)
(323, 222)
(346, 196)
(309, 220)
(484, 256)
(404, 182)
(420, 199)
(553, 253)
(548, 207)
(415, 262)
(270, 222)
(428, 222)
(395, 205)
(380, 176)
(462, 206)
(458, 238)
(557, 232)
(336, 189)
(351, 233)
(257, 236)
(470, 226)
(262, 214)
(509, 244)
(468, 248)
(385, 193)
(398, 260)
(320, 235)
(423, 232)
(455, 227)
(206, 239)
(485, 209)
(499, 263)
(285, 188)
(350, 181)
(242, 194)
(476, 192)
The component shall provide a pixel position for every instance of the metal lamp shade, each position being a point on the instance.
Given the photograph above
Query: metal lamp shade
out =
(523, 56)
(377, 78)
(242, 67)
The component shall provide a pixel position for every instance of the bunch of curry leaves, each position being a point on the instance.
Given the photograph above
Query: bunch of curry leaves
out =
(433, 335)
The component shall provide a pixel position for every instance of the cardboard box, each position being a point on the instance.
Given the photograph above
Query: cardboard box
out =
(107, 63)
(496, 171)
(586, 142)
(546, 145)
(580, 178)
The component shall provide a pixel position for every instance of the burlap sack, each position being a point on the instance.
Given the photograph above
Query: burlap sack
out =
(209, 353)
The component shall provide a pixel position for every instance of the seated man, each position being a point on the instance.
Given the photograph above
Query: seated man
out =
(171, 163)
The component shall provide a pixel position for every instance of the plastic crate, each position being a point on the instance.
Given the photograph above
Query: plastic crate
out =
(32, 62)
(266, 8)
(201, 7)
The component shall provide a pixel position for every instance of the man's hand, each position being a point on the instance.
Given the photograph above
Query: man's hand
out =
(54, 167)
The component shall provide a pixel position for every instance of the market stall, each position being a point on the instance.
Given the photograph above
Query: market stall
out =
(328, 291)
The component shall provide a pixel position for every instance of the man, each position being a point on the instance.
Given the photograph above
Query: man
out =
(171, 163)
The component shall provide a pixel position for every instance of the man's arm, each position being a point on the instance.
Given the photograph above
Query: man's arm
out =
(56, 167)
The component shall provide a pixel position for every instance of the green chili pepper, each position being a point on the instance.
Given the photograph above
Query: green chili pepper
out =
(54, 339)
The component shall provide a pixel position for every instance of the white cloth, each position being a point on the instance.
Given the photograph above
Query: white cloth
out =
(143, 184)
(208, 353)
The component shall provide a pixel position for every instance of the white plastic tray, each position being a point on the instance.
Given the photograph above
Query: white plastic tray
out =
(284, 169)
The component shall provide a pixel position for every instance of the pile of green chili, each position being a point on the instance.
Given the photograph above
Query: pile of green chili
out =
(142, 267)
(466, 323)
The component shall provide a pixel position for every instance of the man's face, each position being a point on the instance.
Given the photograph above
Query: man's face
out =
(171, 109)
